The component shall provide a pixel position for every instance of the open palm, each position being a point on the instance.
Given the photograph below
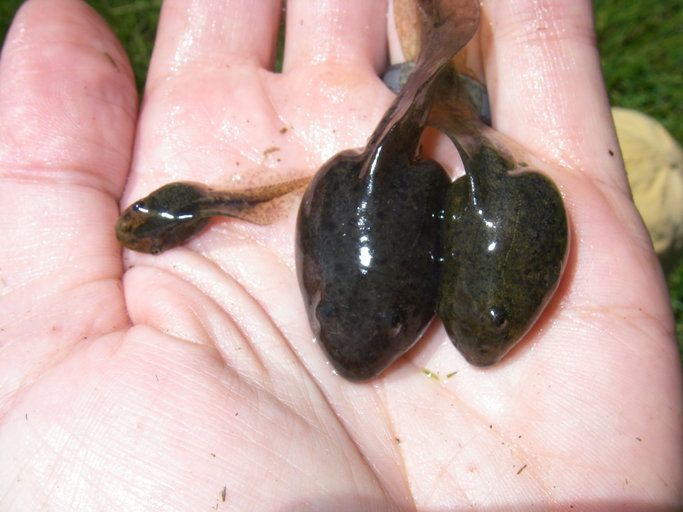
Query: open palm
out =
(191, 380)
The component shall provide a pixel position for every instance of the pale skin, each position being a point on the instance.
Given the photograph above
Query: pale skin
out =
(190, 381)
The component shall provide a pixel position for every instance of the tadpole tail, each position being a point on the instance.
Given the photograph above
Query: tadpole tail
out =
(446, 26)
(257, 205)
(458, 113)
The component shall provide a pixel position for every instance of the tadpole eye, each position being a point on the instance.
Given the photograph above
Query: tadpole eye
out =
(498, 318)
(396, 324)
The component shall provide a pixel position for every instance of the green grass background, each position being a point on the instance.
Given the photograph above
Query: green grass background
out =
(641, 43)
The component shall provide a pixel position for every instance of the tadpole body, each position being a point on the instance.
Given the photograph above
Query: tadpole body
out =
(368, 258)
(172, 214)
(506, 233)
(505, 245)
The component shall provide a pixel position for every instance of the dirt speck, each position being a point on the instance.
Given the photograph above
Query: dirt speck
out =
(432, 375)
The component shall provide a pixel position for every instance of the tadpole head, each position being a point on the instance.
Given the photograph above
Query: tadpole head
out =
(483, 331)
(164, 219)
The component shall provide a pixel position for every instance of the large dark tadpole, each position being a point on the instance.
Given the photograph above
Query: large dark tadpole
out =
(368, 259)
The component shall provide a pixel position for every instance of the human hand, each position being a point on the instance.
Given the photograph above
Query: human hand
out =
(190, 380)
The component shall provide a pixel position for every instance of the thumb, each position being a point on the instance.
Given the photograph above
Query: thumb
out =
(68, 109)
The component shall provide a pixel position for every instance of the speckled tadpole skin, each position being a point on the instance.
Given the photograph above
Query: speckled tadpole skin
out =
(175, 212)
(505, 244)
(368, 232)
(368, 259)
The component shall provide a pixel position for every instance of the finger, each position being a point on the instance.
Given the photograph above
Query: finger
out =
(546, 92)
(351, 31)
(67, 115)
(214, 33)
(66, 111)
(545, 85)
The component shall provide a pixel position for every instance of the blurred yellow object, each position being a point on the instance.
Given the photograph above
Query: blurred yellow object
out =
(654, 164)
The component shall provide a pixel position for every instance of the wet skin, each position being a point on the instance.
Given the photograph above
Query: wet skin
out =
(368, 258)
(505, 237)
(505, 244)
(175, 212)
(369, 226)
